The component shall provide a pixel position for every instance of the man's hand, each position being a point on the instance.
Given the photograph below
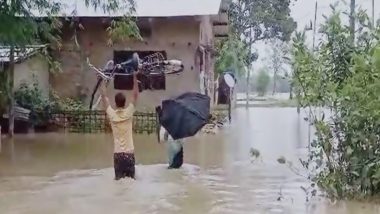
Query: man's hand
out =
(103, 89)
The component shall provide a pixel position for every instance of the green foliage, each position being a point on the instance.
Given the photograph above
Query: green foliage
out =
(251, 21)
(267, 19)
(121, 30)
(255, 20)
(262, 83)
(231, 55)
(345, 79)
(31, 97)
(19, 25)
(22, 26)
(65, 104)
(278, 54)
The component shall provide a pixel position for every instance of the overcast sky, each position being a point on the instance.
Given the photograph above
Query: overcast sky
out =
(303, 13)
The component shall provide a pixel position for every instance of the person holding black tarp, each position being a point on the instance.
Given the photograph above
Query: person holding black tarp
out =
(180, 118)
(174, 149)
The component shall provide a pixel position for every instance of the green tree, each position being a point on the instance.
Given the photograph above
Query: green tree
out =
(278, 54)
(262, 82)
(21, 26)
(344, 77)
(255, 20)
(231, 54)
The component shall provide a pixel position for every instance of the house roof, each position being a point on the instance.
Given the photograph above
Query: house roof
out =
(19, 54)
(146, 8)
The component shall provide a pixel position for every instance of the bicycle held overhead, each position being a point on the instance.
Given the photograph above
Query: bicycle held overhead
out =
(153, 64)
(149, 65)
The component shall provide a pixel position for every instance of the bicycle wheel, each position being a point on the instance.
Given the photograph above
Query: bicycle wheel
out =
(173, 67)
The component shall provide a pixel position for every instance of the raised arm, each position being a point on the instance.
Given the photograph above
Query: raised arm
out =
(135, 91)
(103, 94)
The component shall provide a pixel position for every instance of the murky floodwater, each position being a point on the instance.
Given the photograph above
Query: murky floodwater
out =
(56, 173)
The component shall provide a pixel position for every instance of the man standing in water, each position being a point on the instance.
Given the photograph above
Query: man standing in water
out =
(121, 120)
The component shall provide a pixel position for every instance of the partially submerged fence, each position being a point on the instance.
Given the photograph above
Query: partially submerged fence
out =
(96, 121)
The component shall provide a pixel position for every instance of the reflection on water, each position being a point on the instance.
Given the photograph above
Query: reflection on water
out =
(57, 173)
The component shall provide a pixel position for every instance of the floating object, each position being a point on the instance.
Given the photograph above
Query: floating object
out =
(281, 160)
(254, 153)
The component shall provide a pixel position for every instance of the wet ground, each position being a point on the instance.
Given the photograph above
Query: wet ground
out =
(68, 173)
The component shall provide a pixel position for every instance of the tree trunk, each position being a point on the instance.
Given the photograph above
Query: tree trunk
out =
(373, 13)
(291, 92)
(249, 67)
(11, 116)
(274, 82)
(229, 104)
(298, 108)
(248, 88)
(315, 23)
(298, 97)
(352, 20)
(216, 90)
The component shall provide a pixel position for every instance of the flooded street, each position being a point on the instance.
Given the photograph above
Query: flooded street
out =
(71, 173)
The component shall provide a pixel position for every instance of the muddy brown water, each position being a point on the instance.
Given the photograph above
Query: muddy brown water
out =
(72, 173)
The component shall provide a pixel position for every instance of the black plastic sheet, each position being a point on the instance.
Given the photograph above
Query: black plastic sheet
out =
(185, 115)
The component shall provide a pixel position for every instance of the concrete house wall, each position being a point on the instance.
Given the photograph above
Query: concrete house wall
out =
(180, 37)
(31, 70)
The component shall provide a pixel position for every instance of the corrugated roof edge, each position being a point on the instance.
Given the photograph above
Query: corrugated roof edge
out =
(26, 52)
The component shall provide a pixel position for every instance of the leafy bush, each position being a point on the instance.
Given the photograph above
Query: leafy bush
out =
(262, 82)
(231, 55)
(31, 97)
(65, 104)
(343, 78)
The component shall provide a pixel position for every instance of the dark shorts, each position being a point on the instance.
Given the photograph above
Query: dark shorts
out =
(124, 164)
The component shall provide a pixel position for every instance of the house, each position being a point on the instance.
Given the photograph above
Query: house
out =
(30, 67)
(180, 29)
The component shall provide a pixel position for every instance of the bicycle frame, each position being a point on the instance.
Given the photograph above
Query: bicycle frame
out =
(151, 64)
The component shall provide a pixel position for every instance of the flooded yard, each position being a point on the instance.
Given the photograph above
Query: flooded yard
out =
(73, 173)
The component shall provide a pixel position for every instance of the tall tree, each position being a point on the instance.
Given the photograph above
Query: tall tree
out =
(262, 81)
(277, 59)
(231, 55)
(255, 20)
(22, 26)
